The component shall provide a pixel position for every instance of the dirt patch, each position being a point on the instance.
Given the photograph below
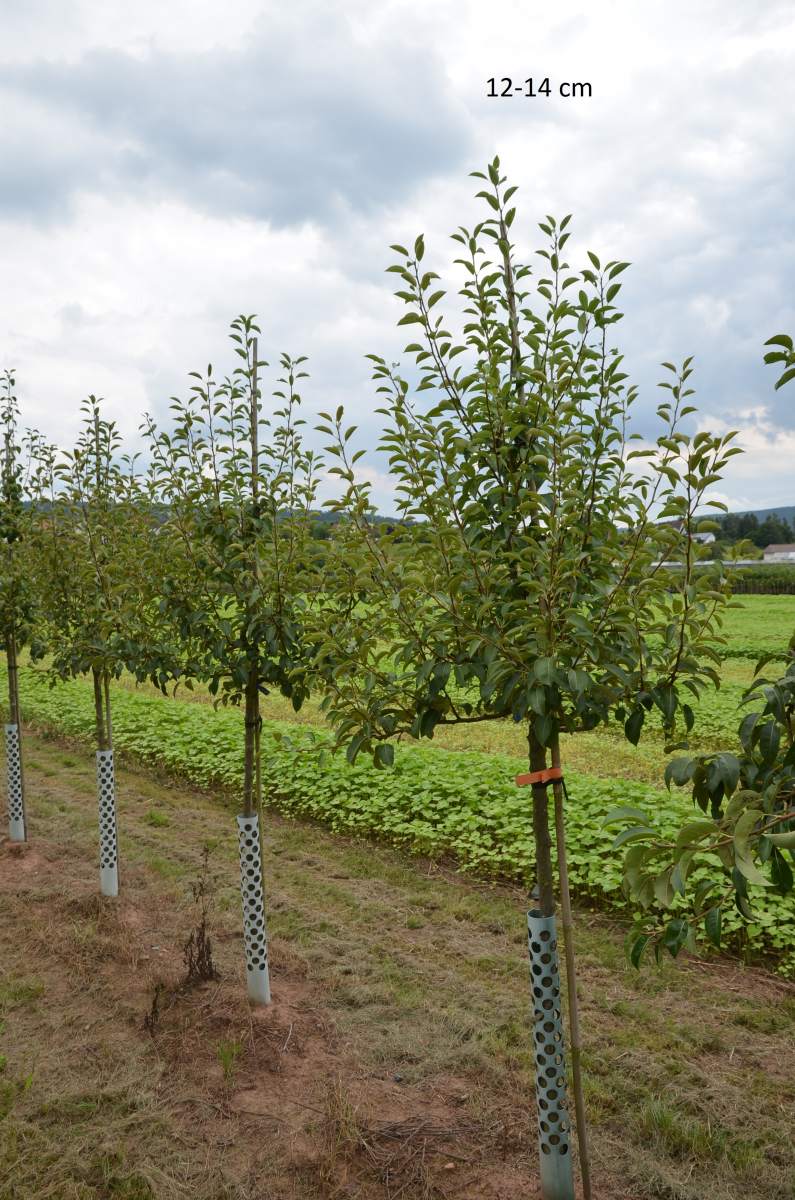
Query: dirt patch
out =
(22, 859)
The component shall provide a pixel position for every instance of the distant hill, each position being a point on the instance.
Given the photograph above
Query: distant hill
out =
(324, 517)
(785, 511)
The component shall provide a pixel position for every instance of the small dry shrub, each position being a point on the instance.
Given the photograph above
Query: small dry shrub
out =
(197, 951)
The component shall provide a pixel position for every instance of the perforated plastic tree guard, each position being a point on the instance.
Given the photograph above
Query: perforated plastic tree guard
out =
(108, 844)
(554, 1127)
(16, 804)
(254, 929)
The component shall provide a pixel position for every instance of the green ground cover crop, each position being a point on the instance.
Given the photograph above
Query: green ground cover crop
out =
(463, 804)
(757, 625)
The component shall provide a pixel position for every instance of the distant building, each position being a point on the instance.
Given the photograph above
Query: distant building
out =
(780, 552)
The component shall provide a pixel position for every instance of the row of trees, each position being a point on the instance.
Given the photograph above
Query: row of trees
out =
(746, 527)
(523, 582)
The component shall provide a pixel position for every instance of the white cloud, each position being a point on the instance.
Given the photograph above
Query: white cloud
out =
(761, 476)
(165, 168)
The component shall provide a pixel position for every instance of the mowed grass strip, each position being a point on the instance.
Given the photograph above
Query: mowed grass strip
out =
(401, 998)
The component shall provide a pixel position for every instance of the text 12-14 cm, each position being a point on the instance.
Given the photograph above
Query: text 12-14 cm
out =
(534, 87)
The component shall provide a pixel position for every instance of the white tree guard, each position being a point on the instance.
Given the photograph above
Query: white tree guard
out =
(108, 840)
(16, 801)
(554, 1126)
(254, 928)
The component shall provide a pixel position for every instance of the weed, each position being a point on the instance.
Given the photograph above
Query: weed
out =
(197, 952)
(684, 1136)
(228, 1053)
(156, 819)
(163, 867)
(16, 992)
(342, 1136)
(762, 1019)
(8, 1094)
(152, 1018)
(11, 1090)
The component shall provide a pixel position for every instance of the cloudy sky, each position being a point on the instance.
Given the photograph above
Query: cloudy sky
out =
(165, 167)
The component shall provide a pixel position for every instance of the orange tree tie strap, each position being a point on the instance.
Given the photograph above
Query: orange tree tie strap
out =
(551, 775)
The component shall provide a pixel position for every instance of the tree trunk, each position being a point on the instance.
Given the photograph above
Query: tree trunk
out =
(252, 870)
(106, 787)
(541, 834)
(17, 824)
(571, 980)
(555, 1165)
(13, 679)
(99, 709)
(250, 753)
(108, 720)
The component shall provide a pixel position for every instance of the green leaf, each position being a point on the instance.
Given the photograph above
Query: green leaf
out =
(694, 832)
(544, 670)
(354, 746)
(633, 725)
(679, 771)
(743, 830)
(663, 888)
(751, 872)
(638, 946)
(385, 754)
(787, 377)
(712, 925)
(769, 741)
(675, 935)
(785, 840)
(625, 813)
(634, 834)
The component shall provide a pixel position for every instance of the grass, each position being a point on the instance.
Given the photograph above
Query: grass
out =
(157, 819)
(14, 992)
(400, 998)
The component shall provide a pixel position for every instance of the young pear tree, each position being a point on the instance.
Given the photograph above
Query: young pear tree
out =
(17, 601)
(93, 538)
(238, 489)
(536, 586)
